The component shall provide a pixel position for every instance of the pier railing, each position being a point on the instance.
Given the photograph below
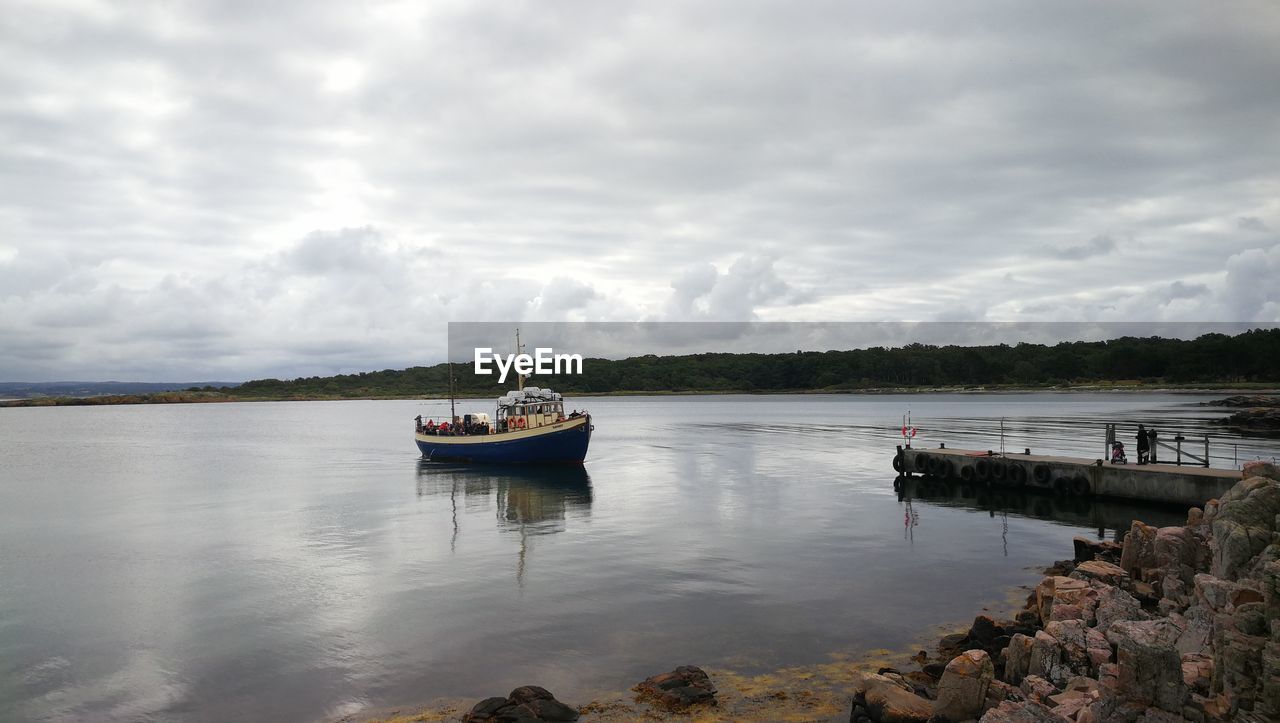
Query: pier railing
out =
(1176, 448)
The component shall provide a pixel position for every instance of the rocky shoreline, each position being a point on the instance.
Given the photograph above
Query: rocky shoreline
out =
(1259, 413)
(1175, 623)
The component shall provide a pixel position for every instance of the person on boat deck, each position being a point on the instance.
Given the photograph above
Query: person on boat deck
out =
(431, 426)
(418, 426)
(1144, 448)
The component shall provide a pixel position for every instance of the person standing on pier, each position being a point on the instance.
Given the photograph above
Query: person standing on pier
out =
(1152, 454)
(1144, 446)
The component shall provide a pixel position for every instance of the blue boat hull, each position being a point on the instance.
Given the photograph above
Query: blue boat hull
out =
(565, 444)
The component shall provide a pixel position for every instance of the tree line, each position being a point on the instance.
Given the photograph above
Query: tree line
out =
(1249, 357)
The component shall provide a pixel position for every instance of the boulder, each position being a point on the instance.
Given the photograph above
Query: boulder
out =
(1035, 688)
(1150, 669)
(987, 635)
(1139, 549)
(1024, 712)
(1073, 640)
(1197, 672)
(1258, 468)
(1268, 703)
(526, 704)
(1046, 659)
(1115, 605)
(1269, 580)
(1017, 658)
(1181, 552)
(1250, 618)
(1195, 517)
(963, 687)
(527, 693)
(1197, 627)
(887, 702)
(1103, 572)
(1054, 587)
(1214, 593)
(1238, 664)
(550, 710)
(1244, 526)
(1210, 512)
(1086, 549)
(679, 689)
(487, 709)
(1156, 715)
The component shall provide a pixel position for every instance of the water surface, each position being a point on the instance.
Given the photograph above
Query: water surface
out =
(291, 561)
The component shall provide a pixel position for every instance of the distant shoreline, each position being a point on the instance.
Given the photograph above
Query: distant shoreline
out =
(214, 397)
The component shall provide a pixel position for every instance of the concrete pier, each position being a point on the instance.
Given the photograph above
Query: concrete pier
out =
(1074, 476)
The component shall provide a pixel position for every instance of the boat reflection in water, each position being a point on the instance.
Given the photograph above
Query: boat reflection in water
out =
(529, 500)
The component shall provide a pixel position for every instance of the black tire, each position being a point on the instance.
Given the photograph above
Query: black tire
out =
(1017, 475)
(998, 472)
(1080, 486)
(898, 464)
(946, 470)
(966, 473)
(921, 463)
(936, 466)
(982, 470)
(1042, 474)
(1061, 486)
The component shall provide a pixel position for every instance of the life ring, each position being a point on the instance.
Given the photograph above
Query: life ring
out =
(908, 432)
(1042, 474)
(1080, 486)
(1017, 475)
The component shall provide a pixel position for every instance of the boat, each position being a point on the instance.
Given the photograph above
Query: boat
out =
(529, 426)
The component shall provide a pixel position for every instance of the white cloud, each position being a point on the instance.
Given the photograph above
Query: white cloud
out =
(327, 184)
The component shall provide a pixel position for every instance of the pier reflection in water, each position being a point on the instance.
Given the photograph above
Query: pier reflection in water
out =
(529, 501)
(1110, 518)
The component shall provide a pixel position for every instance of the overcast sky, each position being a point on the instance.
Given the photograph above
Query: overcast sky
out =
(228, 190)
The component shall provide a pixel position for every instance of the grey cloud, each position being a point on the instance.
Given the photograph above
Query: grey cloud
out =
(1097, 246)
(316, 177)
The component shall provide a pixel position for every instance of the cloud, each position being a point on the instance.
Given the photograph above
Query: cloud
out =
(1252, 223)
(1249, 287)
(328, 185)
(1097, 246)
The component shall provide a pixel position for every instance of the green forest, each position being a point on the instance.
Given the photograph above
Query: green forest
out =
(1249, 358)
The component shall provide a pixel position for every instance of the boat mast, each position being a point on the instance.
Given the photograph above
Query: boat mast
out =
(453, 411)
(519, 349)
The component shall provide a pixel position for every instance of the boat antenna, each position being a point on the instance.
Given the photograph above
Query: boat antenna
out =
(453, 409)
(519, 350)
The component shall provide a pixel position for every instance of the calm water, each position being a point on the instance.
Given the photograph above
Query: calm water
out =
(292, 561)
